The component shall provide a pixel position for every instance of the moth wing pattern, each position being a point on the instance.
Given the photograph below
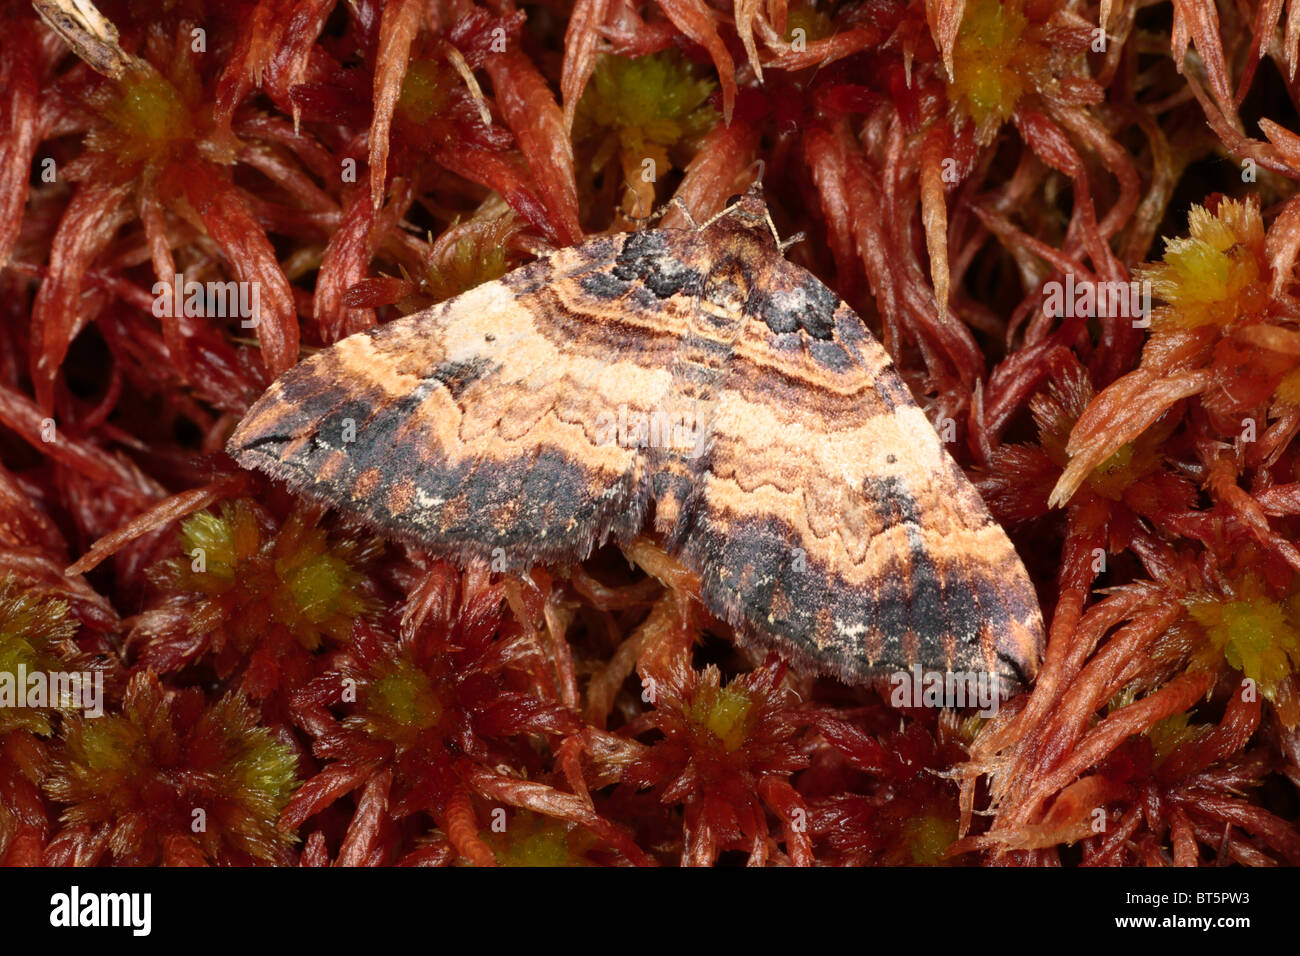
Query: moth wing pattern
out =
(831, 514)
(815, 502)
(484, 421)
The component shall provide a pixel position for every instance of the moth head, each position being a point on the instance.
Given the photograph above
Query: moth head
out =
(749, 207)
(748, 212)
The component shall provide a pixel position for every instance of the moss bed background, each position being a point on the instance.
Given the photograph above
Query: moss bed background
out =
(283, 688)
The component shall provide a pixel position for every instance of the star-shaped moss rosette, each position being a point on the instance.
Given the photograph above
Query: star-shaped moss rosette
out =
(174, 778)
(33, 628)
(725, 757)
(249, 596)
(450, 713)
(1250, 630)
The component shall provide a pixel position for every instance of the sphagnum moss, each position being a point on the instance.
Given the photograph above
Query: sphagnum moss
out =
(937, 203)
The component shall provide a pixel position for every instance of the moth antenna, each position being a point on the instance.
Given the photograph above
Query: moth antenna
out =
(776, 236)
(784, 244)
(679, 204)
(754, 189)
(724, 211)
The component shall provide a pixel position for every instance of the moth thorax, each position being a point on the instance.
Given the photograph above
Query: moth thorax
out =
(727, 288)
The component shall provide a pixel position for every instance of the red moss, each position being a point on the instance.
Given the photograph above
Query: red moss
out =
(365, 160)
(172, 779)
(252, 599)
(722, 745)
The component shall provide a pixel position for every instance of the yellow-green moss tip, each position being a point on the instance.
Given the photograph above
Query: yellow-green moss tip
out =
(1253, 633)
(297, 577)
(318, 585)
(723, 712)
(219, 545)
(426, 90)
(1169, 734)
(267, 771)
(988, 64)
(151, 760)
(31, 628)
(477, 253)
(815, 24)
(1212, 276)
(928, 839)
(533, 840)
(402, 696)
(660, 99)
(1113, 475)
(147, 117)
(109, 745)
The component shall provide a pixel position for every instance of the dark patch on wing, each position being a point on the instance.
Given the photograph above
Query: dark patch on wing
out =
(650, 258)
(458, 376)
(371, 425)
(832, 355)
(809, 306)
(892, 500)
(748, 576)
(603, 285)
(554, 516)
(639, 247)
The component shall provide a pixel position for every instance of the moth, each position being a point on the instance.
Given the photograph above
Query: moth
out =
(693, 380)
